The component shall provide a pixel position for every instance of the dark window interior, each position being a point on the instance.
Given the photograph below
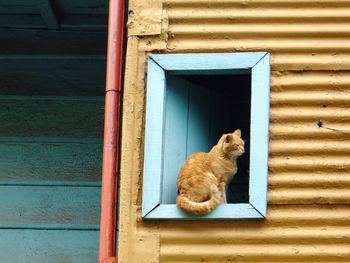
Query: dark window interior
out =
(230, 96)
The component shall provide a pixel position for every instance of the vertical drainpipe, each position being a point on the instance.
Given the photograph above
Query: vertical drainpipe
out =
(110, 164)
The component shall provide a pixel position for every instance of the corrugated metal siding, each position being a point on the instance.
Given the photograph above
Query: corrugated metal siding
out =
(301, 34)
(308, 216)
(309, 178)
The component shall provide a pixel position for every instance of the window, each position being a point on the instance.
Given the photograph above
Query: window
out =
(191, 100)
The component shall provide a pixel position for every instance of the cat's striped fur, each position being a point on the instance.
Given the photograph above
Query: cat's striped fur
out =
(203, 177)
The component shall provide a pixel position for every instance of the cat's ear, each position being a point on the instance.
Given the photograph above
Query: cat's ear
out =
(228, 138)
(237, 132)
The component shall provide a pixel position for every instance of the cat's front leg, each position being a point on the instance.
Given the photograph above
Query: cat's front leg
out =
(222, 189)
(224, 201)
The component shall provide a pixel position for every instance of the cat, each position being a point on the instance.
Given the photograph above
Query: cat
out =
(203, 177)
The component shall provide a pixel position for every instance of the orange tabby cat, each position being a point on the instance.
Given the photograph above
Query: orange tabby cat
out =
(203, 177)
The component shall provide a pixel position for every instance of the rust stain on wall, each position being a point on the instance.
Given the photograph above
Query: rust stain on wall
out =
(308, 216)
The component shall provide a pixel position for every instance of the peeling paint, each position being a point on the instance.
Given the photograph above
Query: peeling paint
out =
(145, 18)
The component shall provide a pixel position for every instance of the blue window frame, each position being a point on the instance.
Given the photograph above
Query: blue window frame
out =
(191, 100)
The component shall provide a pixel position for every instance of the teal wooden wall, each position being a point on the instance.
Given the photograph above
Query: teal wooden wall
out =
(199, 109)
(52, 83)
(50, 171)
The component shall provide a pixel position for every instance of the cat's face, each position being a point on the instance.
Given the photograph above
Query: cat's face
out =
(232, 144)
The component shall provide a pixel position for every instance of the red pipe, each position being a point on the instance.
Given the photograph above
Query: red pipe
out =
(110, 162)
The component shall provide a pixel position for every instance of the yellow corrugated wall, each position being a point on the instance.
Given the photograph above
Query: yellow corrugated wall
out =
(308, 216)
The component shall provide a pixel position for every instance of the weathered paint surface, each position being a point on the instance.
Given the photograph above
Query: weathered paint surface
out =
(308, 216)
(52, 75)
(48, 246)
(50, 167)
(167, 137)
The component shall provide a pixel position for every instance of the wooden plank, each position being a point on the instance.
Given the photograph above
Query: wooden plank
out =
(25, 21)
(49, 13)
(49, 206)
(96, 22)
(84, 227)
(50, 161)
(83, 7)
(259, 138)
(22, 41)
(17, 7)
(198, 119)
(52, 75)
(48, 246)
(222, 212)
(175, 139)
(208, 61)
(81, 22)
(209, 72)
(154, 132)
(51, 116)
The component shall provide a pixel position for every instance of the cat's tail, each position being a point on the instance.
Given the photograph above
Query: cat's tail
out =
(199, 208)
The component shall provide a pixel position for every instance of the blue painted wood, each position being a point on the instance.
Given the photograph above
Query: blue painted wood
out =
(63, 227)
(205, 61)
(45, 206)
(260, 109)
(154, 133)
(175, 140)
(38, 73)
(54, 42)
(48, 246)
(50, 160)
(37, 116)
(198, 120)
(50, 139)
(222, 212)
(74, 99)
(210, 72)
(153, 208)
